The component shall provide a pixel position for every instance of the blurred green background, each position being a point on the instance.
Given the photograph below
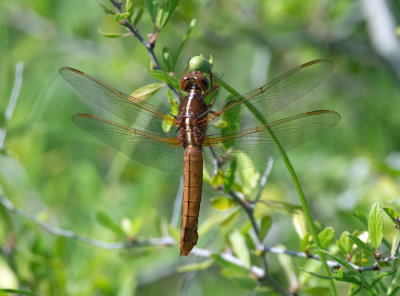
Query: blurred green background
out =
(65, 177)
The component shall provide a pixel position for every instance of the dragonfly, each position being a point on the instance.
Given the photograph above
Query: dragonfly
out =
(204, 132)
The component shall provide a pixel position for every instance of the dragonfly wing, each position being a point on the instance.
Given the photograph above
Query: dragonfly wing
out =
(159, 151)
(252, 147)
(274, 95)
(132, 110)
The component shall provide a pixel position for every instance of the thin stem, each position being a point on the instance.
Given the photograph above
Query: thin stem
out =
(295, 180)
(147, 45)
(13, 102)
(263, 180)
(168, 241)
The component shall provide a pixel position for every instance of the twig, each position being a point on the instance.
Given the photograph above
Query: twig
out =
(264, 179)
(13, 102)
(165, 241)
(168, 241)
(147, 45)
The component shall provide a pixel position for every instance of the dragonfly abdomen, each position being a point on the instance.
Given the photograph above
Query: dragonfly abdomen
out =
(193, 180)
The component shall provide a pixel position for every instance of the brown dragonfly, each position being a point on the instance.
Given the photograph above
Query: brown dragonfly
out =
(172, 142)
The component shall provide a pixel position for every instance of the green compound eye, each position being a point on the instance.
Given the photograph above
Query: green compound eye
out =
(199, 63)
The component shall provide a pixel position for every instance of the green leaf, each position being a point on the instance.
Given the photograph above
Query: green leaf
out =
(244, 281)
(106, 10)
(164, 12)
(129, 8)
(230, 218)
(249, 241)
(183, 42)
(345, 244)
(138, 16)
(266, 223)
(218, 179)
(167, 59)
(108, 223)
(360, 216)
(111, 35)
(230, 178)
(392, 214)
(131, 228)
(164, 76)
(223, 203)
(145, 92)
(196, 266)
(239, 247)
(326, 236)
(152, 7)
(305, 242)
(361, 244)
(120, 16)
(375, 225)
(299, 223)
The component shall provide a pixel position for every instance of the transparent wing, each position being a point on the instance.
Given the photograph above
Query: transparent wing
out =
(252, 147)
(134, 111)
(162, 152)
(273, 96)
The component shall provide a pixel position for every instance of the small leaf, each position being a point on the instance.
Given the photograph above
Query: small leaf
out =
(106, 10)
(239, 247)
(129, 8)
(183, 42)
(305, 242)
(152, 7)
(249, 241)
(196, 266)
(230, 178)
(218, 179)
(164, 76)
(345, 244)
(223, 203)
(361, 244)
(392, 214)
(145, 92)
(299, 223)
(131, 228)
(375, 225)
(326, 236)
(120, 16)
(108, 223)
(138, 16)
(166, 56)
(360, 216)
(266, 223)
(111, 35)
